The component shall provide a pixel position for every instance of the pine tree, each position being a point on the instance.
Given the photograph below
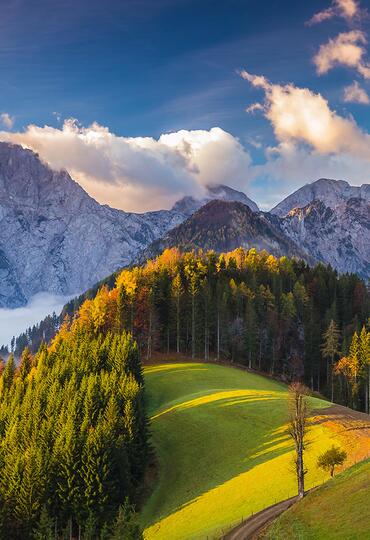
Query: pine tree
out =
(8, 373)
(126, 526)
(177, 292)
(330, 349)
(45, 529)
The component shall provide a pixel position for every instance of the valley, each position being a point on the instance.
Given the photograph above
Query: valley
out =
(220, 437)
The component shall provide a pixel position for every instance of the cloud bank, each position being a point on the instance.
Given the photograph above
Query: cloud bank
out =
(140, 173)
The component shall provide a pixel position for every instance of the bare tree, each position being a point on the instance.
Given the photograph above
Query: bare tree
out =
(298, 412)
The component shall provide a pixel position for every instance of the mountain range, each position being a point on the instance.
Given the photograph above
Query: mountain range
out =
(56, 238)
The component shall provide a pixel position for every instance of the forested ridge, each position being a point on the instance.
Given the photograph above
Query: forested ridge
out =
(73, 437)
(276, 315)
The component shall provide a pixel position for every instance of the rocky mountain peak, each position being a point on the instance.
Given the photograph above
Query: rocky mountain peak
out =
(330, 192)
(188, 205)
(225, 225)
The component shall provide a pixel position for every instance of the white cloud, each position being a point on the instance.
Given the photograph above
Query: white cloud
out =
(348, 9)
(347, 49)
(291, 165)
(254, 107)
(313, 141)
(355, 94)
(139, 173)
(6, 120)
(300, 115)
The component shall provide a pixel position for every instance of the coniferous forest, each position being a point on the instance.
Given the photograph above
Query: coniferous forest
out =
(73, 437)
(278, 316)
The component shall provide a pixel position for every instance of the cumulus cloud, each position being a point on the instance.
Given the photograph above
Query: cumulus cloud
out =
(347, 49)
(299, 115)
(348, 9)
(6, 120)
(355, 94)
(313, 141)
(139, 173)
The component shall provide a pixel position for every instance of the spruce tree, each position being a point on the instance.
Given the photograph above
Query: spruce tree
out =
(330, 349)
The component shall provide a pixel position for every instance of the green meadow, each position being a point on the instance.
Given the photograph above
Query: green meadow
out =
(337, 510)
(223, 453)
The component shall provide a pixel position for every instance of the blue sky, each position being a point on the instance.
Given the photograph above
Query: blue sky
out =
(147, 67)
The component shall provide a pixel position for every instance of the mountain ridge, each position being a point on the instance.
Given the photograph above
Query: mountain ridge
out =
(332, 192)
(65, 240)
(224, 226)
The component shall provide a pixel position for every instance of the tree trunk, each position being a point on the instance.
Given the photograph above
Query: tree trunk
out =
(368, 390)
(260, 355)
(193, 326)
(332, 379)
(178, 325)
(300, 471)
(218, 335)
(327, 372)
(273, 358)
(149, 345)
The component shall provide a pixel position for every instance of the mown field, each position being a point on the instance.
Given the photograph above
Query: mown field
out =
(337, 510)
(219, 434)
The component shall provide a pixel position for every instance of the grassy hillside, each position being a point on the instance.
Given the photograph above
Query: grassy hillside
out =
(223, 453)
(337, 510)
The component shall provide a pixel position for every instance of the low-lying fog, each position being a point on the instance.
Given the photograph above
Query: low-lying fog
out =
(15, 321)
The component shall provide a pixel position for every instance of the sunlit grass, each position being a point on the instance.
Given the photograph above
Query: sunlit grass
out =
(223, 451)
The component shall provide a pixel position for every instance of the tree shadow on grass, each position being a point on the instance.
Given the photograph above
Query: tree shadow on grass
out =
(212, 411)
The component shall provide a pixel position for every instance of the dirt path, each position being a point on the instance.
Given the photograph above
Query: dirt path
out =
(352, 427)
(255, 523)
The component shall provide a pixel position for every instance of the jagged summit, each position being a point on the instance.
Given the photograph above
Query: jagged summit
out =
(55, 237)
(188, 205)
(330, 192)
(339, 236)
(225, 225)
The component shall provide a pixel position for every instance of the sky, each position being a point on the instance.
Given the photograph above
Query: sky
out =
(144, 101)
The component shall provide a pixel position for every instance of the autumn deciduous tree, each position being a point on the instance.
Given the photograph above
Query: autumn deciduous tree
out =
(331, 458)
(297, 427)
(365, 364)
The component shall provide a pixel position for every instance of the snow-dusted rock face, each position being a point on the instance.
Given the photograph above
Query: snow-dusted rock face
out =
(330, 192)
(55, 237)
(189, 205)
(339, 236)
